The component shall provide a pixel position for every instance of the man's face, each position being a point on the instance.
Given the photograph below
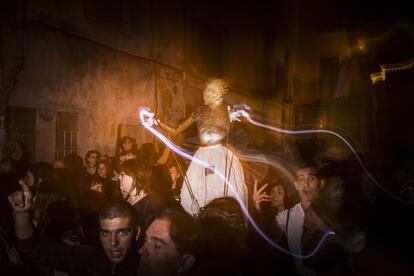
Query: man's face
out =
(92, 159)
(117, 238)
(126, 184)
(159, 255)
(277, 196)
(308, 184)
(101, 170)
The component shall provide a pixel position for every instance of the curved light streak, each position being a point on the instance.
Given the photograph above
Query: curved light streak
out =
(246, 115)
(144, 115)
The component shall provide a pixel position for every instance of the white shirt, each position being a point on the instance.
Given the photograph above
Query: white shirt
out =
(294, 234)
(206, 184)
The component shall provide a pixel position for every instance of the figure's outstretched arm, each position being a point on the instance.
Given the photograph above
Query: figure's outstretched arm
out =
(175, 131)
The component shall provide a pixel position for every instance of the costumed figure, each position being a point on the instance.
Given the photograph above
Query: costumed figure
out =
(201, 184)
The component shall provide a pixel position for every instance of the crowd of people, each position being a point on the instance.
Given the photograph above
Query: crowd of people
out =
(122, 216)
(145, 212)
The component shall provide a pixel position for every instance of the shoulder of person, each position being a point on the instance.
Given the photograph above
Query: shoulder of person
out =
(297, 208)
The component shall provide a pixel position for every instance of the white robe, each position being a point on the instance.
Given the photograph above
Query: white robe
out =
(205, 183)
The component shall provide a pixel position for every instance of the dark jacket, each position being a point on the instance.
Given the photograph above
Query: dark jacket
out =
(146, 209)
(76, 259)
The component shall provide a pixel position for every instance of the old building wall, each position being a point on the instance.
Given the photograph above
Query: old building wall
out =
(64, 73)
(99, 67)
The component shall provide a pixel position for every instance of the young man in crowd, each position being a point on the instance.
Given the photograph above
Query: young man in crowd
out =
(118, 235)
(171, 245)
(291, 221)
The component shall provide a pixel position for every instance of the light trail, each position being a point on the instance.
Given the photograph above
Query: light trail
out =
(147, 118)
(241, 110)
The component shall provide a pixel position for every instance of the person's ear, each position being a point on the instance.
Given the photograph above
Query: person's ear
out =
(296, 186)
(138, 230)
(187, 263)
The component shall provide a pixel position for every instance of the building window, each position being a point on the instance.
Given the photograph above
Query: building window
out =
(66, 134)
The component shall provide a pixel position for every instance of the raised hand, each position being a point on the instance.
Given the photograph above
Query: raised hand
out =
(21, 201)
(236, 111)
(149, 119)
(259, 195)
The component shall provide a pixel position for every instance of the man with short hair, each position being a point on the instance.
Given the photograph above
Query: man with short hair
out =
(118, 235)
(171, 245)
(291, 221)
